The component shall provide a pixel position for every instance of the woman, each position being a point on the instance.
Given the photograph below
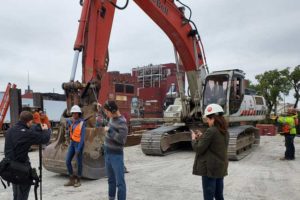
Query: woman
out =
(76, 129)
(211, 153)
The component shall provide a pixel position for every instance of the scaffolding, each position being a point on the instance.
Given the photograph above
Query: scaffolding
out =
(150, 76)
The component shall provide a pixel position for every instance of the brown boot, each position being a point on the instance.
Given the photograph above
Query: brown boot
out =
(77, 182)
(71, 181)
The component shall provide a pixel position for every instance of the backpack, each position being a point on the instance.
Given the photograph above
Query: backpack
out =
(18, 173)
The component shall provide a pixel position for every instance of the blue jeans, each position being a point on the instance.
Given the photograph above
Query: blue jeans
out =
(212, 188)
(71, 152)
(114, 164)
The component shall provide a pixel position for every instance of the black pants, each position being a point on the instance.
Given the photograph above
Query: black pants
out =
(21, 192)
(290, 148)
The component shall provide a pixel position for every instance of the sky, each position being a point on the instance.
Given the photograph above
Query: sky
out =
(37, 37)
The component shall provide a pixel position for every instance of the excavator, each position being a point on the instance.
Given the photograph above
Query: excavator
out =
(92, 41)
(242, 109)
(4, 104)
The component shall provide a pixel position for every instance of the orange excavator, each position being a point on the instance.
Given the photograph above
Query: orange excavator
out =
(220, 87)
(5, 103)
(92, 41)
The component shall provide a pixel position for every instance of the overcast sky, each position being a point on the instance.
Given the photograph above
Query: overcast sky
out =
(37, 36)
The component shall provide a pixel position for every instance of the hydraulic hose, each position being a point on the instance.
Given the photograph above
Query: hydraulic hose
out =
(184, 5)
(120, 8)
(195, 27)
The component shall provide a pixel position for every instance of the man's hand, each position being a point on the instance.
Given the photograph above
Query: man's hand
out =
(106, 128)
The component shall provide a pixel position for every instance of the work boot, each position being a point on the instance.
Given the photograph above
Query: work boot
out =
(70, 182)
(77, 182)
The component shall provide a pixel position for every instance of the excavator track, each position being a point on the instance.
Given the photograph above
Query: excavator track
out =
(243, 139)
(163, 140)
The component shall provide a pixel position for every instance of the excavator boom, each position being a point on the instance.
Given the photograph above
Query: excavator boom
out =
(92, 42)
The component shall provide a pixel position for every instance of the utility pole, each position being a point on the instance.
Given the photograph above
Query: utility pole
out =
(284, 104)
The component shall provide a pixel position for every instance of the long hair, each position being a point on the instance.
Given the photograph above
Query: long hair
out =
(220, 123)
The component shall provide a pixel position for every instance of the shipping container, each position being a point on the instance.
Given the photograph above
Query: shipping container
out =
(267, 129)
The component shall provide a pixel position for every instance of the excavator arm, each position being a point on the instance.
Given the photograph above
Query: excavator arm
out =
(93, 39)
(92, 42)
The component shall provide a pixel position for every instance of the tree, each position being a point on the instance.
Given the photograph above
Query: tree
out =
(295, 82)
(271, 84)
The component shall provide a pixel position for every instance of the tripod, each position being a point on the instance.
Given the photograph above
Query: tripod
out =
(40, 169)
(38, 181)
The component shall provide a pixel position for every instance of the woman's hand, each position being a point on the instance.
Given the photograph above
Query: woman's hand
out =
(196, 134)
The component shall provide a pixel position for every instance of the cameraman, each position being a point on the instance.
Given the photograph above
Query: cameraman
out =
(18, 141)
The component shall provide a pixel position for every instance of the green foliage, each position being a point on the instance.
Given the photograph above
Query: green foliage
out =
(272, 84)
(294, 78)
(252, 85)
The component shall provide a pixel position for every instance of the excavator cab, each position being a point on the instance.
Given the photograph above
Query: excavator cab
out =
(241, 109)
(215, 91)
(225, 88)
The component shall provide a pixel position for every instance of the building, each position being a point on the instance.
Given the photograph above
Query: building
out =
(120, 88)
(156, 89)
(53, 109)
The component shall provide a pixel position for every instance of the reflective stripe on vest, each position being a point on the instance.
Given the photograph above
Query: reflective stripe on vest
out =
(75, 134)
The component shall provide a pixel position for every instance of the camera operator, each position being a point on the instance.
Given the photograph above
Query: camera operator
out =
(18, 141)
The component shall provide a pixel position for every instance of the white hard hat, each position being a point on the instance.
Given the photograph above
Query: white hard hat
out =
(213, 109)
(75, 109)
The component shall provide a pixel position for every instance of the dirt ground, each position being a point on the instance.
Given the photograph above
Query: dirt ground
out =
(259, 176)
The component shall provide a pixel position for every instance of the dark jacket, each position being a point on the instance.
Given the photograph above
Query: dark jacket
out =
(19, 139)
(211, 154)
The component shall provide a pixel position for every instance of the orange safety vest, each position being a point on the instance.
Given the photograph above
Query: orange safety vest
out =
(36, 118)
(75, 134)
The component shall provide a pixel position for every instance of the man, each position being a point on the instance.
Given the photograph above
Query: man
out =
(289, 130)
(115, 139)
(18, 141)
(44, 119)
(36, 117)
(76, 128)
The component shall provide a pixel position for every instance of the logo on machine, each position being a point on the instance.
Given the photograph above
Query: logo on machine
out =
(161, 6)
